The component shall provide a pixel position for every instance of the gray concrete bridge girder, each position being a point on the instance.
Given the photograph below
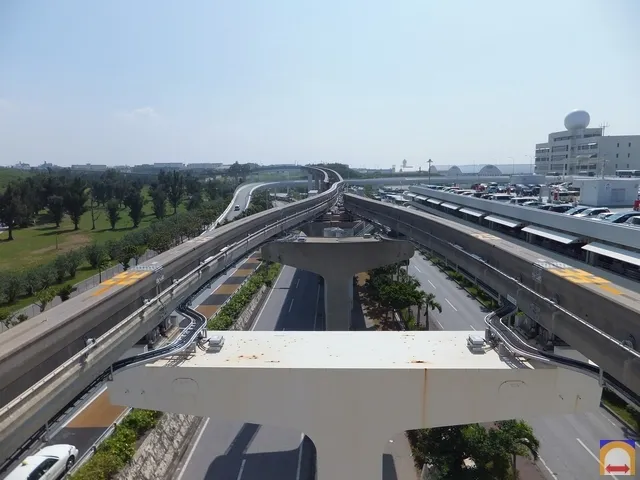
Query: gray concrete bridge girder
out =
(580, 335)
(337, 260)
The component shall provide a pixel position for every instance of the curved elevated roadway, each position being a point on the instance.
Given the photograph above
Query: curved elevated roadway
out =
(591, 314)
(45, 361)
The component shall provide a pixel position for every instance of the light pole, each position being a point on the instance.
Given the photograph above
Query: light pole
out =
(429, 162)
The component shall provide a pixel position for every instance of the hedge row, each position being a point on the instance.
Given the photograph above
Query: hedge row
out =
(229, 313)
(116, 451)
(159, 236)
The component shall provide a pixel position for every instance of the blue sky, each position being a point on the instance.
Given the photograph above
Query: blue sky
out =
(364, 82)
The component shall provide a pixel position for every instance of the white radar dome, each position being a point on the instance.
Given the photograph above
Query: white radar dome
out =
(577, 120)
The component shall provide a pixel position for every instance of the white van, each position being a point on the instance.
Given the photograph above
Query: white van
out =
(236, 208)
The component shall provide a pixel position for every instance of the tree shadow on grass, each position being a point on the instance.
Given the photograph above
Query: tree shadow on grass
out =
(56, 231)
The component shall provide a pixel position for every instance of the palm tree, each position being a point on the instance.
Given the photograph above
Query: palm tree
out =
(420, 304)
(430, 303)
(521, 441)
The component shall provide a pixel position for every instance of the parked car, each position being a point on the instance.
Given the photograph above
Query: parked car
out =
(592, 212)
(556, 207)
(576, 210)
(603, 216)
(532, 203)
(633, 221)
(49, 463)
(622, 217)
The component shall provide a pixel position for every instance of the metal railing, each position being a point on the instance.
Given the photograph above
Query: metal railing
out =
(518, 346)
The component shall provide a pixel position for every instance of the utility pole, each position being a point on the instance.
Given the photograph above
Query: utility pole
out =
(429, 162)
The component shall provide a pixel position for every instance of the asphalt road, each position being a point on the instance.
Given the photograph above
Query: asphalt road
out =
(241, 199)
(243, 451)
(569, 443)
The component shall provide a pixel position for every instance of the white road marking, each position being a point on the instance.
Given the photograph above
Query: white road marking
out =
(439, 324)
(609, 420)
(299, 468)
(244, 460)
(544, 464)
(431, 283)
(420, 271)
(474, 328)
(450, 304)
(275, 284)
(297, 283)
(193, 448)
(291, 305)
(592, 454)
(315, 314)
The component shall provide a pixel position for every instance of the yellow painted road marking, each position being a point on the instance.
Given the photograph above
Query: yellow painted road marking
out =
(124, 279)
(581, 277)
(485, 236)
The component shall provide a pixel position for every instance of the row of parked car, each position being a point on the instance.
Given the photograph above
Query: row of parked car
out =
(630, 217)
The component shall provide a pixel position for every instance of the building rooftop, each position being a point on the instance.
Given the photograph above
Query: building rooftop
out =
(337, 350)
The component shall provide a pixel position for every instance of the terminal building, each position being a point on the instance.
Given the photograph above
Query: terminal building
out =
(583, 151)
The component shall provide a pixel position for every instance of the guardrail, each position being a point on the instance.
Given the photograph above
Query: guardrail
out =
(98, 350)
(517, 346)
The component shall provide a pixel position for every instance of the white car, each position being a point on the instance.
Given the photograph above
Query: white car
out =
(49, 463)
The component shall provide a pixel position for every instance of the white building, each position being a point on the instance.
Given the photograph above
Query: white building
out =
(580, 150)
(89, 168)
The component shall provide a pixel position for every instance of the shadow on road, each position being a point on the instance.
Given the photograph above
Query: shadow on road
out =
(303, 288)
(236, 463)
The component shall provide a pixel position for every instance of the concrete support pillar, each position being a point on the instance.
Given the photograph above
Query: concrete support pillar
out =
(309, 182)
(318, 184)
(337, 260)
(338, 301)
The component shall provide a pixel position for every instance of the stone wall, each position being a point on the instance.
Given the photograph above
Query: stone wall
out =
(244, 320)
(160, 452)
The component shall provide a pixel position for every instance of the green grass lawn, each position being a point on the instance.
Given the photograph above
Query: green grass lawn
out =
(40, 244)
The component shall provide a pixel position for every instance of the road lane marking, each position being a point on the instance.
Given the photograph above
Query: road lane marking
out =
(244, 460)
(275, 284)
(436, 320)
(474, 328)
(315, 314)
(291, 305)
(544, 464)
(193, 448)
(450, 304)
(299, 469)
(297, 283)
(420, 271)
(431, 283)
(592, 454)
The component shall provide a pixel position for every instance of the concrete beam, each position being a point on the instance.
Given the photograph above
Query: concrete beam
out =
(542, 294)
(337, 260)
(307, 380)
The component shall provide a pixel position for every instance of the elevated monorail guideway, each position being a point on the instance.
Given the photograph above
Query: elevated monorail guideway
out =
(593, 315)
(38, 357)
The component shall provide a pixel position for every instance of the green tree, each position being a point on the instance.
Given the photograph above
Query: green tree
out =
(75, 199)
(45, 297)
(13, 210)
(158, 201)
(160, 241)
(175, 189)
(126, 254)
(135, 202)
(55, 205)
(429, 303)
(113, 212)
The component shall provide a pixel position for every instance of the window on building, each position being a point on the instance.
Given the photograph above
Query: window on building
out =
(618, 145)
(629, 144)
(616, 165)
(627, 165)
(617, 155)
(628, 155)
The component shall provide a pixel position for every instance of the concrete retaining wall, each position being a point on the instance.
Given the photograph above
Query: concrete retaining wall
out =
(158, 455)
(244, 320)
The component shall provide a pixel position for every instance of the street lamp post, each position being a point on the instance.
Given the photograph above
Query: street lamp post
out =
(429, 162)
